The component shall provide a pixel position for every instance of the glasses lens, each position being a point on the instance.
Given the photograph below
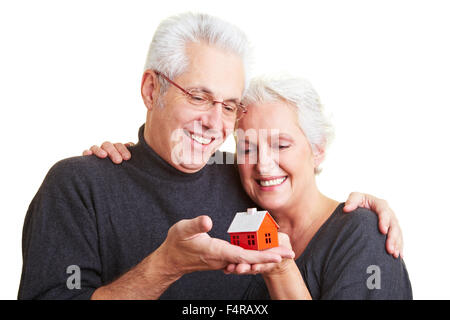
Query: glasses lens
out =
(198, 98)
(230, 108)
(241, 111)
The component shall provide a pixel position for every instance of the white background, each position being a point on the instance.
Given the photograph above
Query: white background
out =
(70, 77)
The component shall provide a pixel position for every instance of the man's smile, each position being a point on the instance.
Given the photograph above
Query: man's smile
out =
(204, 141)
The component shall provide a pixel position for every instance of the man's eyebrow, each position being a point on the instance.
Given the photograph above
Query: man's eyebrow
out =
(202, 89)
(208, 91)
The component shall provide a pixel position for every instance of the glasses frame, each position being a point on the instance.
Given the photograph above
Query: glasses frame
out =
(210, 101)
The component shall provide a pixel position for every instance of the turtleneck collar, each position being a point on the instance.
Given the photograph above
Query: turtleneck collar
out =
(143, 156)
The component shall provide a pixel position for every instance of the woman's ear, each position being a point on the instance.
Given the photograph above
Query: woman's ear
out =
(150, 88)
(319, 155)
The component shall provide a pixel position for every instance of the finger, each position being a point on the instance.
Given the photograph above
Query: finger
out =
(240, 269)
(398, 240)
(401, 245)
(283, 240)
(230, 268)
(188, 228)
(87, 152)
(390, 244)
(384, 221)
(98, 152)
(262, 268)
(129, 144)
(394, 242)
(390, 224)
(113, 154)
(355, 200)
(237, 255)
(282, 251)
(243, 268)
(122, 149)
(386, 217)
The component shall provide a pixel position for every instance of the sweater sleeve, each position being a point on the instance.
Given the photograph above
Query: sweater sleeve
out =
(59, 241)
(359, 267)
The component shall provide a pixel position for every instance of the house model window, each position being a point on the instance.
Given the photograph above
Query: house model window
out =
(268, 240)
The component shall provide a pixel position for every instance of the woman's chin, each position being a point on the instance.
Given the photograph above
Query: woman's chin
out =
(271, 203)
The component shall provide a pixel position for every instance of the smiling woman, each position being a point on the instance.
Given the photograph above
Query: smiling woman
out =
(288, 151)
(333, 251)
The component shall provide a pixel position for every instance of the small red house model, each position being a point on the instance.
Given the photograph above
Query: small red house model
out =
(255, 230)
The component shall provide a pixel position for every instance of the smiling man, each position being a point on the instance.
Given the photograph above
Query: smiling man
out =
(192, 129)
(144, 229)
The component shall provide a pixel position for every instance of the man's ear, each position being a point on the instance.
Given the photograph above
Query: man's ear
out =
(150, 88)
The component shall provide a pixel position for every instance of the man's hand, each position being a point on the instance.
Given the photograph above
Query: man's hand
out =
(189, 248)
(116, 152)
(388, 223)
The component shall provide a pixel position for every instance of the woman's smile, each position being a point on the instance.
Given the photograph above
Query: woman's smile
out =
(270, 183)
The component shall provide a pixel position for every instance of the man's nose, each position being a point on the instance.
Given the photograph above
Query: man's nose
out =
(213, 117)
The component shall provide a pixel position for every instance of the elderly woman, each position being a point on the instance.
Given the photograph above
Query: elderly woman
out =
(337, 255)
(281, 142)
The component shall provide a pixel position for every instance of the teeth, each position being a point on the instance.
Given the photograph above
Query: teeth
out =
(200, 139)
(274, 182)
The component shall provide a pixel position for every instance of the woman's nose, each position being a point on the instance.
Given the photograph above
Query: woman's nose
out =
(266, 160)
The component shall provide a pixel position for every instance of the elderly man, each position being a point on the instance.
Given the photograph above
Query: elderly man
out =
(143, 230)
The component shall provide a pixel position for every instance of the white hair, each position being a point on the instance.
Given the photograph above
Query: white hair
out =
(167, 52)
(300, 94)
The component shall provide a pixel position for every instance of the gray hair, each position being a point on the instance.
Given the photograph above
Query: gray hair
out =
(167, 52)
(299, 93)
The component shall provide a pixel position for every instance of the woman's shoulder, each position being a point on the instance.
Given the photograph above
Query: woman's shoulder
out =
(343, 252)
(360, 219)
(348, 231)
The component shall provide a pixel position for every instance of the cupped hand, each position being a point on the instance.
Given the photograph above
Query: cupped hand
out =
(189, 248)
(269, 267)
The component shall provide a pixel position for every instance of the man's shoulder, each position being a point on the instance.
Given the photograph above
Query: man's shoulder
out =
(77, 171)
(76, 166)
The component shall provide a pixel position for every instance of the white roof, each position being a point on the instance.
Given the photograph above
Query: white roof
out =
(249, 221)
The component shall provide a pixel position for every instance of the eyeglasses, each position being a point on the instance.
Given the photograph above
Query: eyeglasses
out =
(203, 101)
